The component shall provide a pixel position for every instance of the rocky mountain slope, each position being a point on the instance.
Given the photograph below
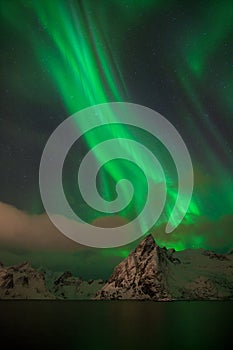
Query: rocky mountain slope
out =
(154, 273)
(24, 282)
(69, 287)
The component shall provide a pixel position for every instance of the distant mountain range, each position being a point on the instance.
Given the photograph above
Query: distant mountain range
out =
(148, 273)
(24, 282)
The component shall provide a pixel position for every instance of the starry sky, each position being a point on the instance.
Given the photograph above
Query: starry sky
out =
(59, 57)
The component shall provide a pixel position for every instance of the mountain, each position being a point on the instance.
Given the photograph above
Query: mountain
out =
(154, 273)
(69, 287)
(22, 282)
(148, 273)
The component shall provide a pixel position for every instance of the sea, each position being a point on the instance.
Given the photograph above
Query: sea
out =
(114, 325)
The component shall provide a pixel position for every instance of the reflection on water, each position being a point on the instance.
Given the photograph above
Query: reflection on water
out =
(115, 325)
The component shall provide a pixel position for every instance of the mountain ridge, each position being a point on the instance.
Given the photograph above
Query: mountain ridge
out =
(150, 272)
(154, 273)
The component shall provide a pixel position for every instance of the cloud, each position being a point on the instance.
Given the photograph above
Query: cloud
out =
(31, 232)
(112, 221)
(36, 239)
(19, 230)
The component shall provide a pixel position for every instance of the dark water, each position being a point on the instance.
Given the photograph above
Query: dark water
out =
(115, 325)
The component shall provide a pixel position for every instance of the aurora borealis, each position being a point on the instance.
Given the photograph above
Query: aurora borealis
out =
(59, 57)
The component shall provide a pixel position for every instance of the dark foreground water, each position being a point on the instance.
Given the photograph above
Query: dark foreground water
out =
(115, 325)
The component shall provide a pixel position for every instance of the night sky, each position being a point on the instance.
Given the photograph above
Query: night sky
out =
(58, 57)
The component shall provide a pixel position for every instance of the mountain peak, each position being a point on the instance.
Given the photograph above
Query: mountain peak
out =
(155, 273)
(147, 243)
(140, 275)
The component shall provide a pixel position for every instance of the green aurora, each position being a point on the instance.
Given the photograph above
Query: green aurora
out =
(79, 48)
